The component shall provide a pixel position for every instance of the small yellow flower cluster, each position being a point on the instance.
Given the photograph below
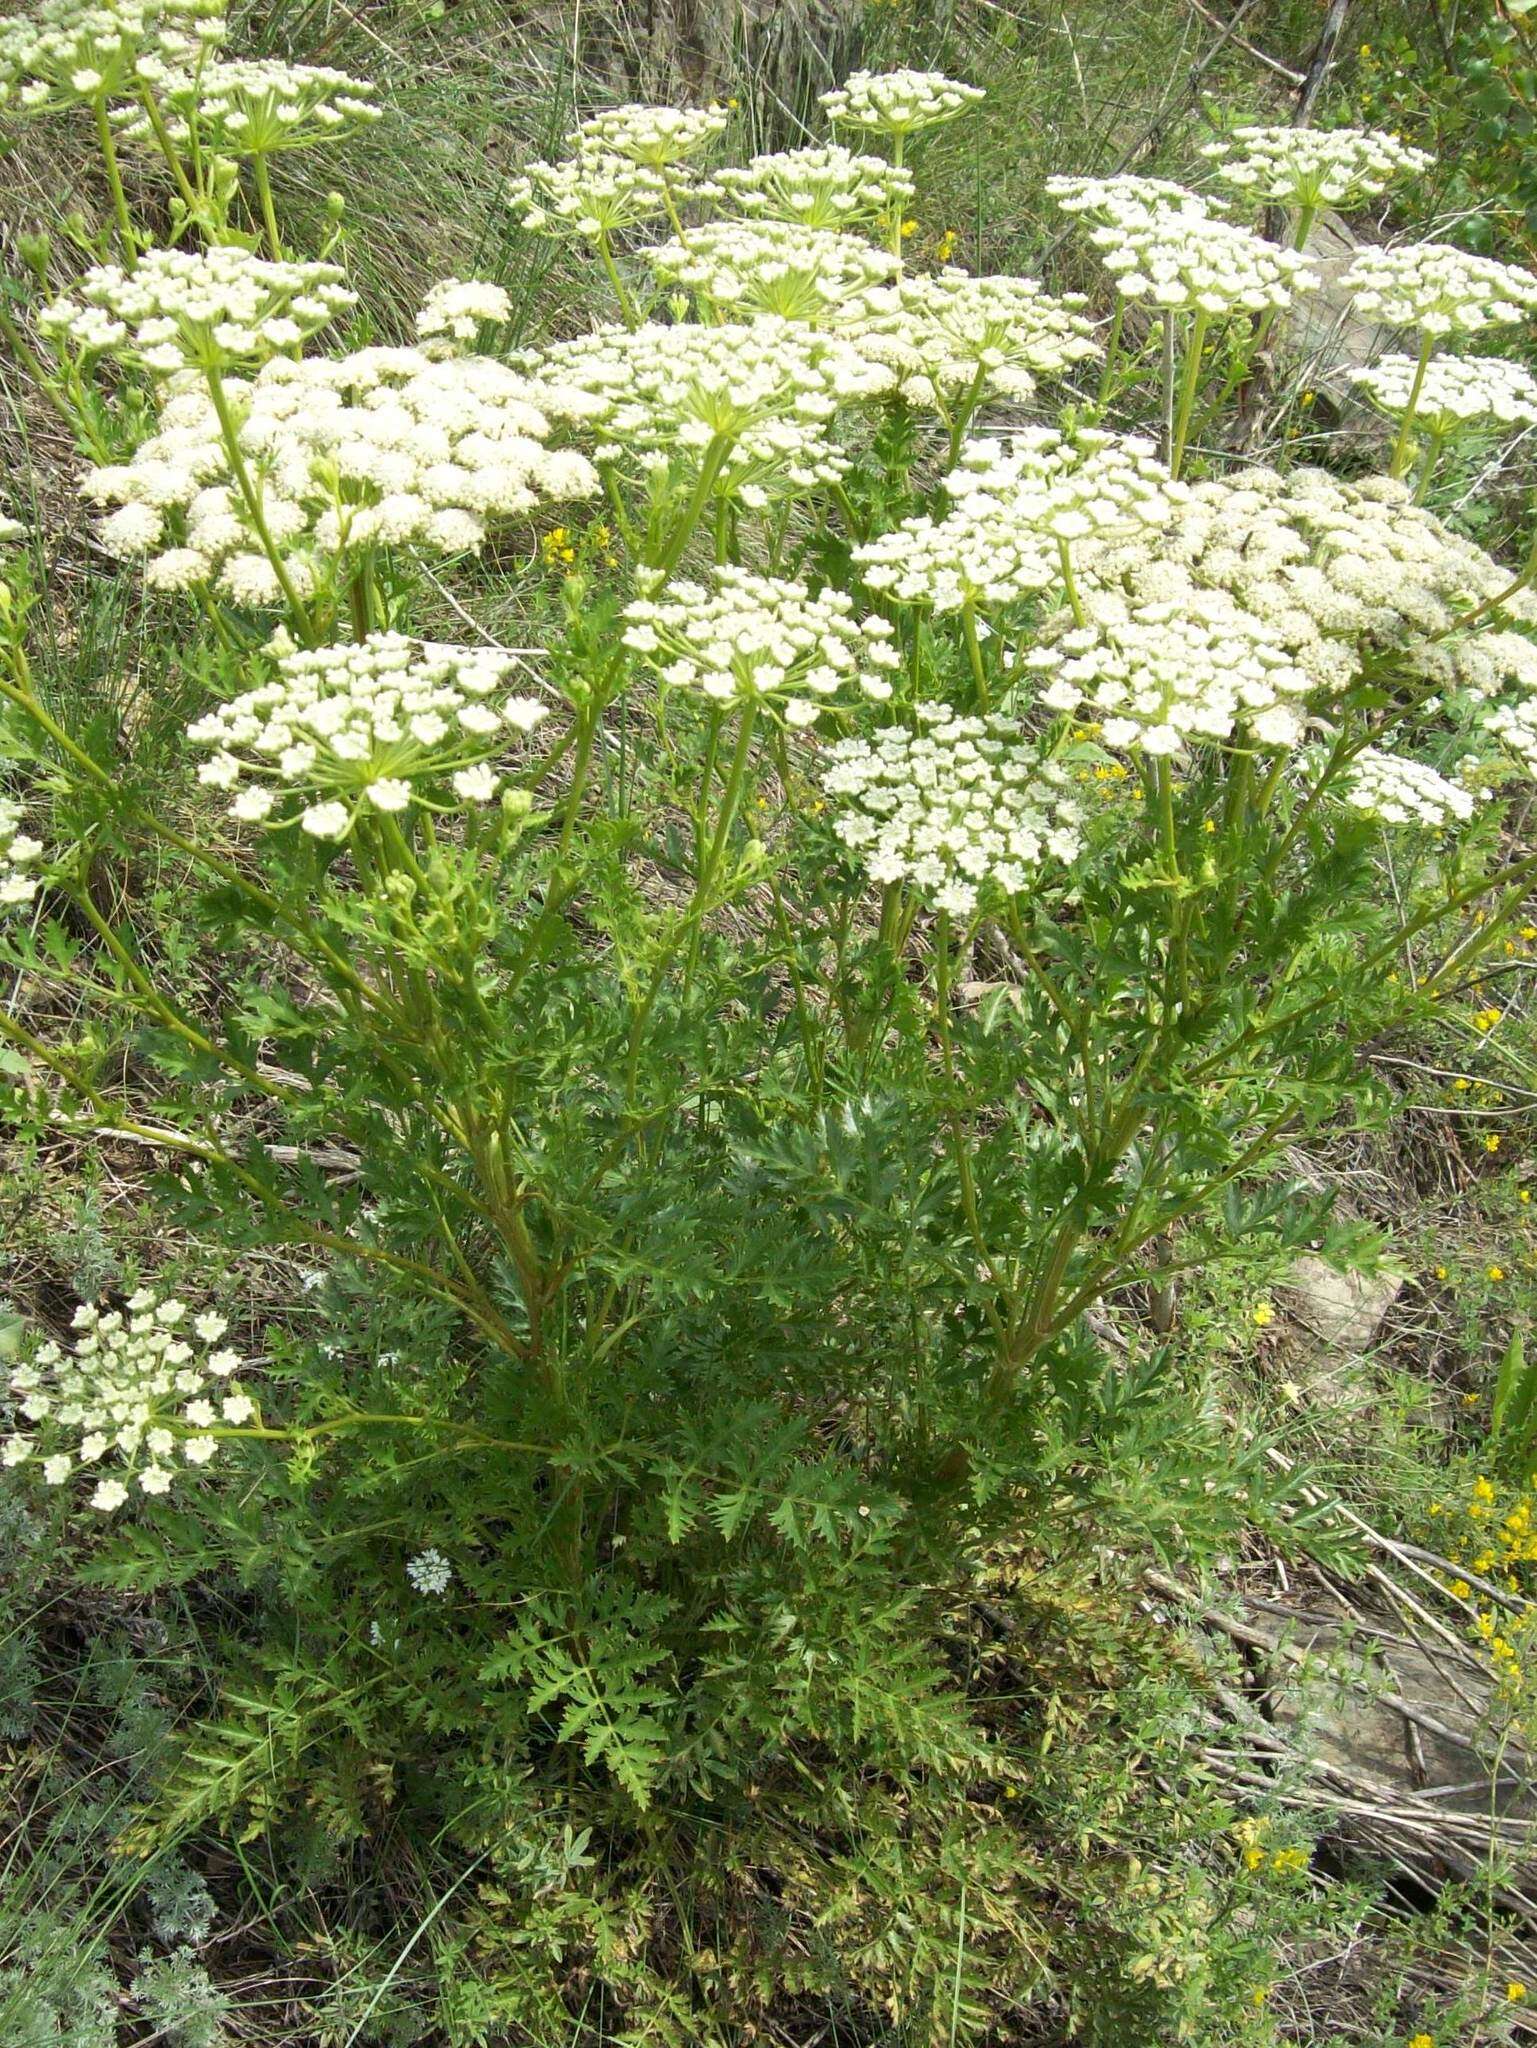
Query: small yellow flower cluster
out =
(1257, 1854)
(1491, 1540)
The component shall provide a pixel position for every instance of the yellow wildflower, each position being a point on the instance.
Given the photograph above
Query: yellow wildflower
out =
(1492, 1142)
(1486, 1019)
(1264, 1315)
(1496, 1272)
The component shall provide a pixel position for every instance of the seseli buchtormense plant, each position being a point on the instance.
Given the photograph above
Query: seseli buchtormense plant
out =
(699, 1075)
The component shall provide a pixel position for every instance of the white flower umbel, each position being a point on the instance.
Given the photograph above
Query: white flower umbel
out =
(1021, 504)
(1189, 262)
(1129, 198)
(1452, 392)
(758, 639)
(1070, 487)
(344, 731)
(961, 810)
(210, 310)
(1312, 167)
(1515, 727)
(748, 267)
(762, 395)
(137, 1395)
(1160, 675)
(453, 313)
(430, 1573)
(1439, 289)
(18, 856)
(899, 103)
(1335, 567)
(378, 449)
(657, 137)
(62, 53)
(256, 106)
(818, 187)
(587, 198)
(963, 561)
(1399, 791)
(947, 334)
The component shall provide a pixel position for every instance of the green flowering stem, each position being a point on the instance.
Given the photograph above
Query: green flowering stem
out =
(627, 311)
(1401, 447)
(167, 147)
(74, 416)
(960, 1149)
(1192, 380)
(709, 473)
(269, 212)
(894, 228)
(974, 655)
(1434, 443)
(125, 233)
(252, 498)
(1069, 583)
(1112, 357)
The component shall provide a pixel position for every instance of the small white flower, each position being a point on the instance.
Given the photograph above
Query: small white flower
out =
(430, 1572)
(109, 1494)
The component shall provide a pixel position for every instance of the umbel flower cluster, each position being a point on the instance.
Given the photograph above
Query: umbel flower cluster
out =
(1178, 260)
(948, 334)
(756, 639)
(454, 312)
(1313, 167)
(1019, 503)
(139, 1390)
(1451, 392)
(1439, 289)
(797, 272)
(1333, 568)
(823, 186)
(18, 857)
(1515, 727)
(898, 103)
(657, 137)
(1399, 791)
(176, 308)
(356, 729)
(586, 198)
(1159, 674)
(765, 393)
(960, 810)
(377, 449)
(255, 106)
(1127, 197)
(64, 52)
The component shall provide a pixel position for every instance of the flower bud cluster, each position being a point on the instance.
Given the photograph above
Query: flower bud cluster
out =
(947, 332)
(959, 810)
(18, 854)
(654, 136)
(899, 102)
(586, 198)
(453, 313)
(1439, 289)
(256, 106)
(175, 308)
(370, 727)
(1452, 391)
(135, 1391)
(756, 638)
(1312, 167)
(376, 449)
(1399, 791)
(1184, 261)
(793, 272)
(824, 186)
(1159, 674)
(65, 52)
(767, 390)
(979, 559)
